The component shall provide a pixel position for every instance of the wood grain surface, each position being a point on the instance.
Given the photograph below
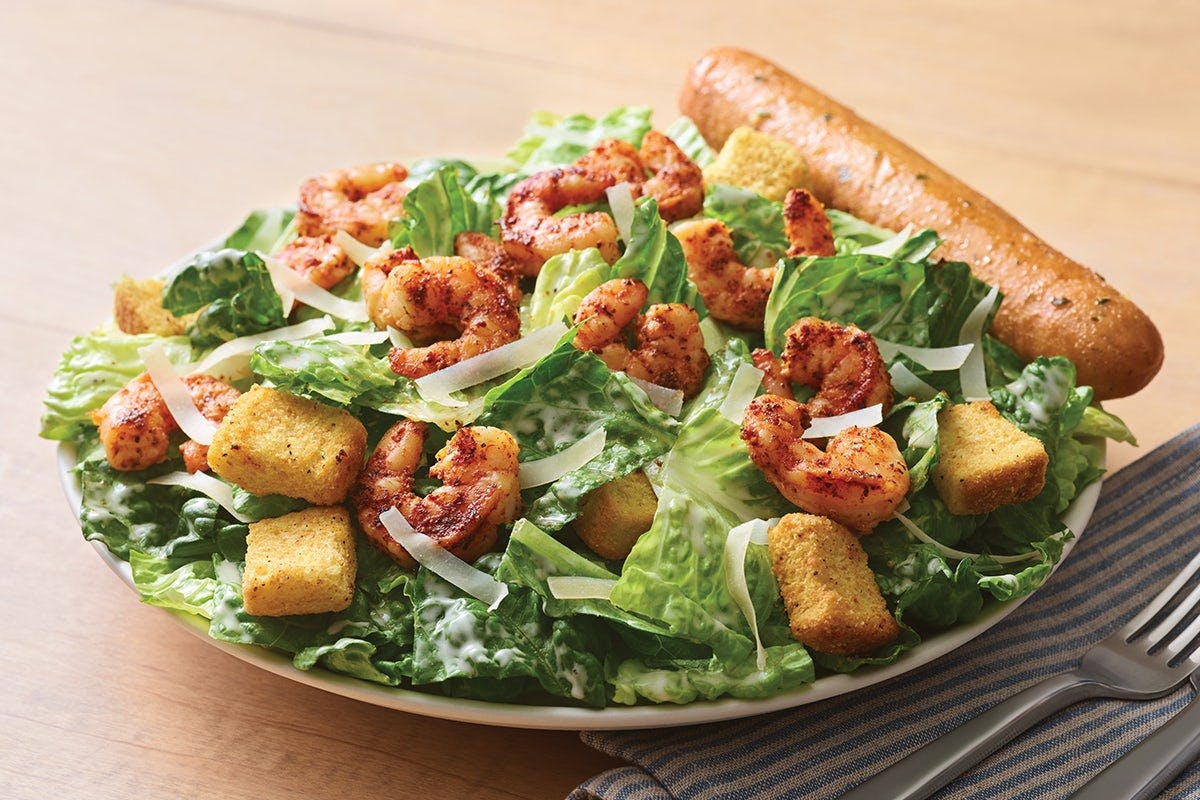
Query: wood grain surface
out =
(134, 131)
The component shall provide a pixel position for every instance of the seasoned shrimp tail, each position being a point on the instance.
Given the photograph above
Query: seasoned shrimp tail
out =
(448, 305)
(806, 225)
(481, 490)
(732, 292)
(360, 201)
(859, 480)
(842, 362)
(135, 425)
(677, 183)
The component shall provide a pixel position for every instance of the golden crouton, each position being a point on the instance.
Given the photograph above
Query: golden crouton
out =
(300, 563)
(830, 594)
(985, 461)
(138, 308)
(760, 162)
(613, 516)
(272, 442)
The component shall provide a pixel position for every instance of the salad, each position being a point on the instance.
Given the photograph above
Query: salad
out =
(692, 612)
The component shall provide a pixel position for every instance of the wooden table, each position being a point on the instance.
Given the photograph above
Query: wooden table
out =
(136, 130)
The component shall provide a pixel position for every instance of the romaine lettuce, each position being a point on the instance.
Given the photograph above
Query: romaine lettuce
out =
(448, 202)
(235, 291)
(554, 141)
(562, 283)
(687, 137)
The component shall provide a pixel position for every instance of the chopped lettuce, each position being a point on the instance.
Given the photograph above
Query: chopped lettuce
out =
(555, 403)
(655, 257)
(450, 201)
(754, 222)
(562, 283)
(685, 680)
(235, 291)
(265, 231)
(91, 370)
(554, 141)
(684, 133)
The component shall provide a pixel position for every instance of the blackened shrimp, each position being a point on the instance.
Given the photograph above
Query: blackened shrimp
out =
(677, 183)
(449, 307)
(318, 259)
(807, 228)
(842, 362)
(481, 490)
(529, 229)
(135, 425)
(360, 201)
(859, 479)
(668, 346)
(487, 253)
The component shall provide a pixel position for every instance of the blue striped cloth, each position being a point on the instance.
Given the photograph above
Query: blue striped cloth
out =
(1146, 527)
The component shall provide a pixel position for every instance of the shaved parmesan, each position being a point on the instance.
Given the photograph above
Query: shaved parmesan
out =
(938, 359)
(176, 395)
(714, 340)
(398, 338)
(959, 555)
(734, 564)
(241, 348)
(429, 554)
(742, 389)
(437, 386)
(551, 468)
(574, 587)
(972, 376)
(356, 251)
(889, 247)
(205, 484)
(908, 384)
(669, 401)
(824, 427)
(620, 200)
(359, 337)
(292, 286)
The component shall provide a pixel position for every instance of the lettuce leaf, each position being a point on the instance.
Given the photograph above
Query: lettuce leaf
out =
(235, 291)
(687, 137)
(554, 141)
(265, 230)
(453, 199)
(754, 222)
(655, 257)
(163, 582)
(683, 681)
(562, 283)
(91, 370)
(851, 235)
(555, 403)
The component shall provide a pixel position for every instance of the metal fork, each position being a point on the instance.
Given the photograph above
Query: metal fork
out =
(1140, 661)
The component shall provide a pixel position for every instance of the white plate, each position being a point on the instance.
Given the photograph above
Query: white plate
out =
(612, 718)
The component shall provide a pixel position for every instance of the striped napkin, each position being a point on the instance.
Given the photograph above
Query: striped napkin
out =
(1146, 527)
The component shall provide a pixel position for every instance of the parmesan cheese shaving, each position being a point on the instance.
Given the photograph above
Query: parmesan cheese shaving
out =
(205, 484)
(292, 286)
(742, 389)
(176, 395)
(356, 251)
(908, 384)
(437, 386)
(824, 427)
(620, 200)
(972, 376)
(241, 348)
(359, 337)
(575, 587)
(444, 564)
(734, 564)
(551, 468)
(669, 401)
(398, 338)
(938, 359)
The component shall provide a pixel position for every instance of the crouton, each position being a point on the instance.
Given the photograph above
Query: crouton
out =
(613, 516)
(300, 563)
(758, 161)
(832, 601)
(985, 461)
(272, 442)
(138, 308)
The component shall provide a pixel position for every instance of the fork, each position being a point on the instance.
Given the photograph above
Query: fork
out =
(1143, 659)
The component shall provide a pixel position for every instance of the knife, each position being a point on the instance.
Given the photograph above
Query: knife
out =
(1147, 769)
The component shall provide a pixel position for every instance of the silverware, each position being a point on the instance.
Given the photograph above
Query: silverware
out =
(1140, 661)
(1147, 769)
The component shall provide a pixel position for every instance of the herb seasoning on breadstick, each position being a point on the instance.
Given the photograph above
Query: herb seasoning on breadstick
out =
(1052, 304)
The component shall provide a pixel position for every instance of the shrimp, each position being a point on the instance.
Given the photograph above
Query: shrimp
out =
(318, 259)
(531, 233)
(136, 426)
(360, 201)
(445, 303)
(842, 362)
(859, 480)
(732, 292)
(775, 378)
(486, 253)
(481, 490)
(806, 225)
(677, 183)
(736, 293)
(668, 344)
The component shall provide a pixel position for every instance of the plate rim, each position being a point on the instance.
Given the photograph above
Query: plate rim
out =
(538, 717)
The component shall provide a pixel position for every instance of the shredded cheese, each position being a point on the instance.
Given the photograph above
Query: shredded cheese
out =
(437, 386)
(241, 348)
(176, 395)
(668, 401)
(441, 562)
(824, 427)
(576, 587)
(552, 467)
